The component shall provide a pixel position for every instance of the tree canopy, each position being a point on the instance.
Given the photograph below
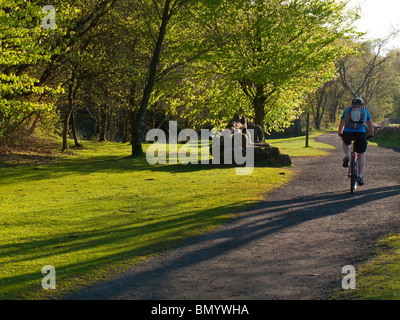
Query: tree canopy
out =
(115, 68)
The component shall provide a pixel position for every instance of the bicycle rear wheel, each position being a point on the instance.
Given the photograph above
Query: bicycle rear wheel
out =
(353, 176)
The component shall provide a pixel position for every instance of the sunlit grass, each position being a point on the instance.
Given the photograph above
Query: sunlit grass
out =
(297, 146)
(379, 278)
(93, 213)
(387, 141)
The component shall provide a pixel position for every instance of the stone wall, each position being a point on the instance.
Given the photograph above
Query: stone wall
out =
(386, 130)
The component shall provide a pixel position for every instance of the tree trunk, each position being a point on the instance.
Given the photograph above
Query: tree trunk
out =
(72, 89)
(317, 120)
(308, 130)
(126, 126)
(133, 123)
(103, 125)
(259, 111)
(34, 124)
(72, 120)
(259, 106)
(68, 116)
(334, 112)
(137, 130)
(153, 120)
(66, 128)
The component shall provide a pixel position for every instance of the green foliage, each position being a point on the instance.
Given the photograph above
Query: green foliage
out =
(23, 42)
(262, 57)
(257, 58)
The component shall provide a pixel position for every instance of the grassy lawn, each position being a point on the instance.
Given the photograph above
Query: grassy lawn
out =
(387, 141)
(296, 146)
(94, 212)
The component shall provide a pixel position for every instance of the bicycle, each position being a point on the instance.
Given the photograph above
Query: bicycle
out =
(353, 170)
(353, 167)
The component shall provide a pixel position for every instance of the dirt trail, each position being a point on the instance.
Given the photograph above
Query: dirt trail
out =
(291, 246)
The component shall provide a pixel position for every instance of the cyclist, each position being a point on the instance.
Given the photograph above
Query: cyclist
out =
(351, 129)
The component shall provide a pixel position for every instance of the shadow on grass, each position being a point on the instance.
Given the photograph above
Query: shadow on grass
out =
(108, 244)
(107, 164)
(244, 231)
(128, 238)
(126, 235)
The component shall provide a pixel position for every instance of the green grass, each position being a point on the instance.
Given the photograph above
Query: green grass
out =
(387, 141)
(296, 146)
(379, 278)
(94, 212)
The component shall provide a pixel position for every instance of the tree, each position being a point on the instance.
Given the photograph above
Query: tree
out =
(260, 59)
(23, 43)
(318, 102)
(170, 7)
(276, 52)
(359, 80)
(395, 67)
(325, 101)
(370, 75)
(182, 47)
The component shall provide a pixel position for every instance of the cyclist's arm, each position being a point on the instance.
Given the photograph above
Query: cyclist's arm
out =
(370, 127)
(341, 126)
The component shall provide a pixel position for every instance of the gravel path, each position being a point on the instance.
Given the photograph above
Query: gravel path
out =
(291, 246)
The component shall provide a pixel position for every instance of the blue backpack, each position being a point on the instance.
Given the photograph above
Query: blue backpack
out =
(355, 118)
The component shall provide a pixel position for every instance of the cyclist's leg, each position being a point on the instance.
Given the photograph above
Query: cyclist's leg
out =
(346, 148)
(347, 140)
(361, 163)
(346, 160)
(361, 147)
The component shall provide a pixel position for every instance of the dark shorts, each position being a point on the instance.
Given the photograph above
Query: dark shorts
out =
(360, 139)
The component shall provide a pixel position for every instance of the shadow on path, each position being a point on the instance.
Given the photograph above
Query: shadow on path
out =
(261, 222)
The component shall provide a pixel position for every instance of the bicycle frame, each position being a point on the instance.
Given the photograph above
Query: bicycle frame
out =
(353, 169)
